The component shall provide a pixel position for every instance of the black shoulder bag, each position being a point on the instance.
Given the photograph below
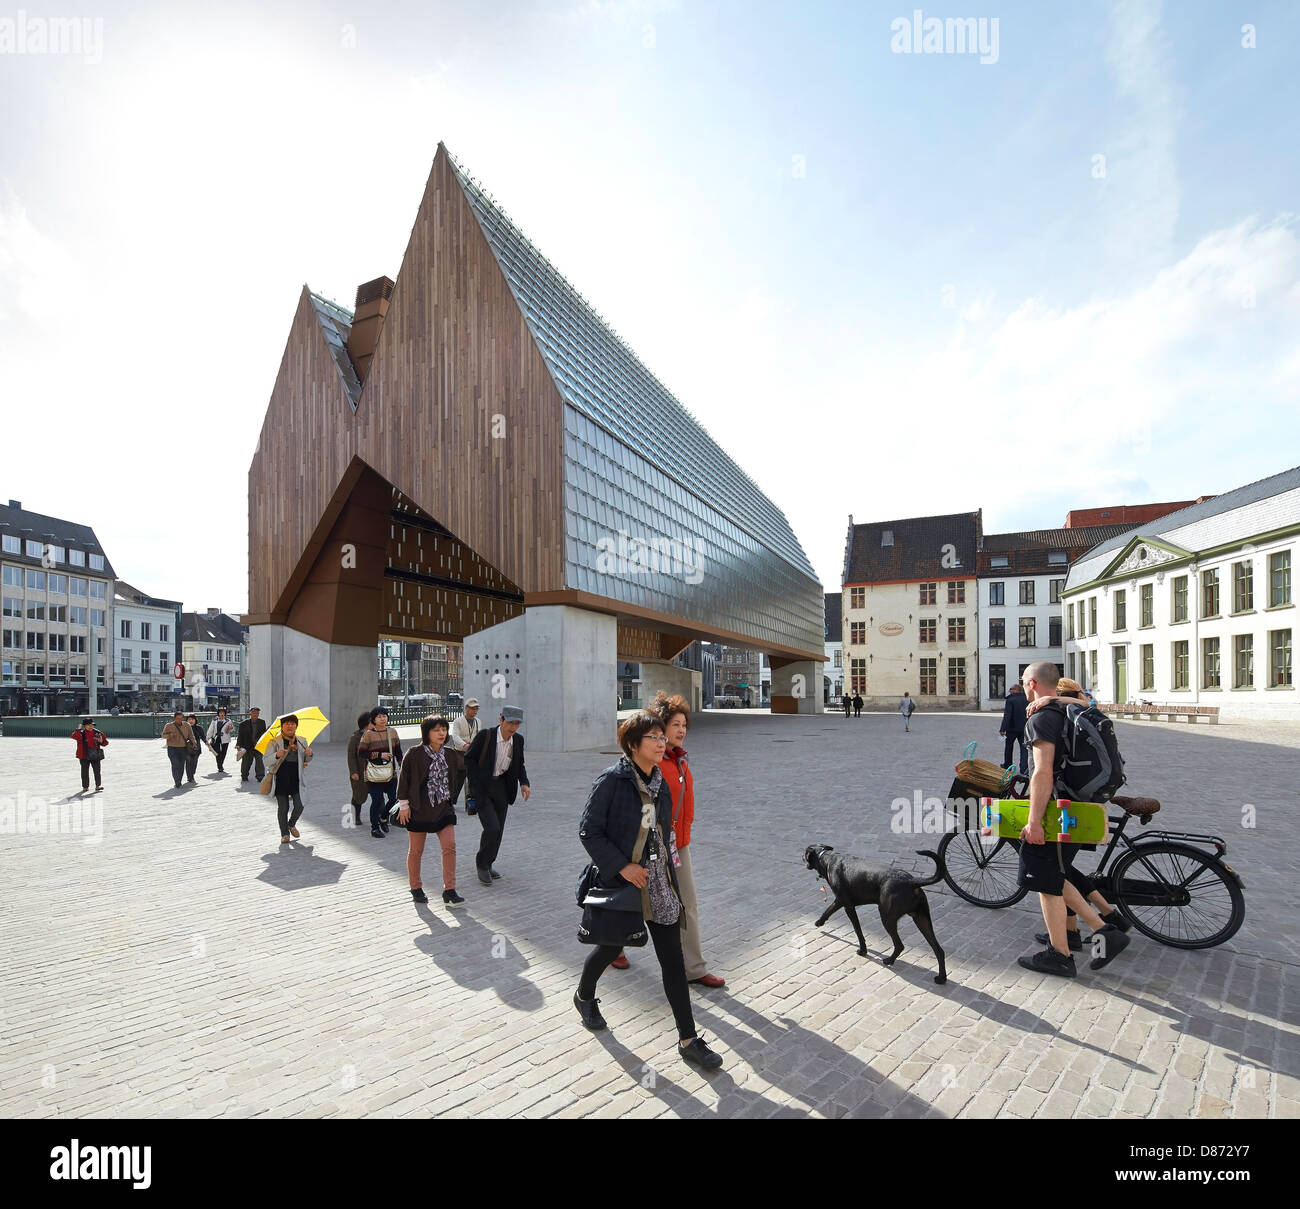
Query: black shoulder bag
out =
(613, 916)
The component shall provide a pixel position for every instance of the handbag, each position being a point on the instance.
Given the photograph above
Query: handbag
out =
(380, 773)
(613, 915)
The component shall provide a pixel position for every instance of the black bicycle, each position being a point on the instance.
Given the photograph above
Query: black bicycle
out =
(1173, 886)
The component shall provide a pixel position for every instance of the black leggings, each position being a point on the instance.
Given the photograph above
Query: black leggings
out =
(667, 940)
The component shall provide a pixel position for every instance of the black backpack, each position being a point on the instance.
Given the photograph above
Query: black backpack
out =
(1093, 769)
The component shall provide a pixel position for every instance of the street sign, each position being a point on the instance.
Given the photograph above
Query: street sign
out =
(179, 671)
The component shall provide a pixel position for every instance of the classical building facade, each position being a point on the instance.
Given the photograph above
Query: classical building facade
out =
(214, 654)
(910, 611)
(1021, 577)
(491, 464)
(146, 648)
(1196, 607)
(57, 615)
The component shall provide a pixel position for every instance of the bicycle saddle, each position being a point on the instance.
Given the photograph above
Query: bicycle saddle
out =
(1144, 808)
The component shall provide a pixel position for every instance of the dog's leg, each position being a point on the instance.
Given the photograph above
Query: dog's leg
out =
(926, 925)
(825, 915)
(852, 913)
(890, 920)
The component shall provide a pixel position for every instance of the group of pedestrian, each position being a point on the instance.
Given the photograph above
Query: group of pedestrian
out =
(906, 707)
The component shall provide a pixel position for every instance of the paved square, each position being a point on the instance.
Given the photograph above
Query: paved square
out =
(187, 965)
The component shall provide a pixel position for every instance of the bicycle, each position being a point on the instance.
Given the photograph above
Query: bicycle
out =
(1165, 885)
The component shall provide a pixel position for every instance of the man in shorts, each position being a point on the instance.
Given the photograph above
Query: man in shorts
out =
(1044, 867)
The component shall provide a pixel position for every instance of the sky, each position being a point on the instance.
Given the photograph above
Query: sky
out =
(1060, 273)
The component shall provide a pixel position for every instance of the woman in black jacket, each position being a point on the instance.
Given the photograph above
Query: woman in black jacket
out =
(431, 778)
(627, 796)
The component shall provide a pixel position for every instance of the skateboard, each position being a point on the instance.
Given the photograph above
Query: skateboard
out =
(1064, 822)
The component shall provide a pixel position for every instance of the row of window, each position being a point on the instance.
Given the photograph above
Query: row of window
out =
(1241, 673)
(73, 614)
(39, 640)
(52, 554)
(146, 630)
(1028, 631)
(58, 673)
(125, 656)
(928, 594)
(928, 677)
(222, 655)
(998, 593)
(1242, 578)
(58, 585)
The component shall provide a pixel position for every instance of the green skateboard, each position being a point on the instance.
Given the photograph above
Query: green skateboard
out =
(1064, 822)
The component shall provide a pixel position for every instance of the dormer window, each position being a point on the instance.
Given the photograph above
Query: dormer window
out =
(887, 537)
(999, 560)
(1056, 557)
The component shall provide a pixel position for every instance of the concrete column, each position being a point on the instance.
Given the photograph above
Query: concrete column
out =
(671, 679)
(559, 664)
(290, 670)
(797, 688)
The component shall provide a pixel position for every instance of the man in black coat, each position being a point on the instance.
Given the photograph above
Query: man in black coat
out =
(250, 730)
(494, 768)
(1013, 727)
(857, 705)
(848, 705)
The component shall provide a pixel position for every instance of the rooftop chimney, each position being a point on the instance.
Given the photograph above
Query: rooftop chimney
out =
(213, 612)
(367, 319)
(16, 505)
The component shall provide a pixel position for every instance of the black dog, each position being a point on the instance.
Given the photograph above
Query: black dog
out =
(856, 884)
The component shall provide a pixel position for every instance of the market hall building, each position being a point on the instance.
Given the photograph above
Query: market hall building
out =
(472, 455)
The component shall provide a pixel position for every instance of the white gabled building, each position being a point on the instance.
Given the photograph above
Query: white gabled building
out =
(1197, 607)
(833, 668)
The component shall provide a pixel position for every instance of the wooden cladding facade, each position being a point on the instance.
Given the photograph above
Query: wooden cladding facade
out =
(458, 412)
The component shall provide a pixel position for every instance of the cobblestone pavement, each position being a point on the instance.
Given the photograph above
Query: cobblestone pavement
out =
(187, 964)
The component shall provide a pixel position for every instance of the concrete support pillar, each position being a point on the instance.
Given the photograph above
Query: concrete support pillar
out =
(797, 687)
(290, 670)
(559, 664)
(673, 680)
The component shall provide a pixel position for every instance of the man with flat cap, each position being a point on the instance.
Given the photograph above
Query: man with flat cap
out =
(494, 768)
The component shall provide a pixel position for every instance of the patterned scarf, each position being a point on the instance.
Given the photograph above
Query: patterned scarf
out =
(439, 780)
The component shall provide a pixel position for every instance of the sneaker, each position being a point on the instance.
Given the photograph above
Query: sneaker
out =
(620, 962)
(419, 895)
(699, 1054)
(1116, 920)
(1076, 941)
(485, 877)
(1049, 961)
(452, 899)
(384, 826)
(379, 835)
(1113, 942)
(496, 877)
(99, 789)
(284, 839)
(590, 1013)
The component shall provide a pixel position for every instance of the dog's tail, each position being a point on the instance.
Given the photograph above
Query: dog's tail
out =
(938, 867)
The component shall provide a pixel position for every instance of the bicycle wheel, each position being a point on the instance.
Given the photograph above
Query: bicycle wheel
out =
(985, 876)
(1178, 895)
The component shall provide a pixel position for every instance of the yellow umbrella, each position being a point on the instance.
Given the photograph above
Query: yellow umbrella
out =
(310, 724)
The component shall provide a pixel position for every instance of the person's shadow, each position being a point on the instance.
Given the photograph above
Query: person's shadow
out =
(476, 958)
(295, 867)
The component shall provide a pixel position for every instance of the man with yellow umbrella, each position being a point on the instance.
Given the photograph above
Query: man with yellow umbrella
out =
(286, 745)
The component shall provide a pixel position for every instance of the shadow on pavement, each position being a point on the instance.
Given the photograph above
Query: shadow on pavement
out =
(476, 958)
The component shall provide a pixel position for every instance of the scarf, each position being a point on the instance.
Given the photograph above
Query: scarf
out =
(439, 780)
(652, 788)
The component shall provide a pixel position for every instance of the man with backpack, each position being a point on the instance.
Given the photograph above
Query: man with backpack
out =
(1075, 757)
(907, 707)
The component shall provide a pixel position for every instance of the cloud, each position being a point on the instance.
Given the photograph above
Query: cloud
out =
(35, 270)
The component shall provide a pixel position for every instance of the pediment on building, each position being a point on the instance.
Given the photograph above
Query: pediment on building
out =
(1143, 554)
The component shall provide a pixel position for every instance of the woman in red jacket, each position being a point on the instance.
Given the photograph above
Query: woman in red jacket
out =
(90, 751)
(676, 717)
